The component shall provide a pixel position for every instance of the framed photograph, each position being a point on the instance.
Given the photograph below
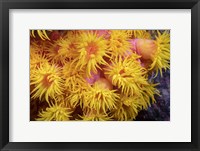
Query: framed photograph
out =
(99, 75)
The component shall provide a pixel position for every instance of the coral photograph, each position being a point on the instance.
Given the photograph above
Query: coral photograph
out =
(100, 75)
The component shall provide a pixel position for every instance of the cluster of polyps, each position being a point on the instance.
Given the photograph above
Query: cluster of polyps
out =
(95, 74)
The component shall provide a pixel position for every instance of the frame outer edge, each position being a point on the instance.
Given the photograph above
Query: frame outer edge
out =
(194, 75)
(1, 64)
(198, 103)
(4, 70)
(5, 74)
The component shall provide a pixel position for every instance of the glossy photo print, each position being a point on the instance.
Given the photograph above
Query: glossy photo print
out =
(100, 75)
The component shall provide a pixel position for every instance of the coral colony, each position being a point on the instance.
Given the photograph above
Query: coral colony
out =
(95, 75)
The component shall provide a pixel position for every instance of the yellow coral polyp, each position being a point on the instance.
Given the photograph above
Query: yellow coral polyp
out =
(91, 50)
(36, 61)
(127, 108)
(55, 54)
(128, 75)
(161, 58)
(99, 98)
(47, 82)
(118, 44)
(147, 95)
(74, 99)
(55, 112)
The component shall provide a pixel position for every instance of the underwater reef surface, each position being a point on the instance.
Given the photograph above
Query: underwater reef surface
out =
(159, 111)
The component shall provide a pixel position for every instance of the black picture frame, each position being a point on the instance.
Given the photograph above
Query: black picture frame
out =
(5, 5)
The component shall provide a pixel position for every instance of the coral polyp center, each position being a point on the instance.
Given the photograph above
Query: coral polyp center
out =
(47, 81)
(92, 48)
